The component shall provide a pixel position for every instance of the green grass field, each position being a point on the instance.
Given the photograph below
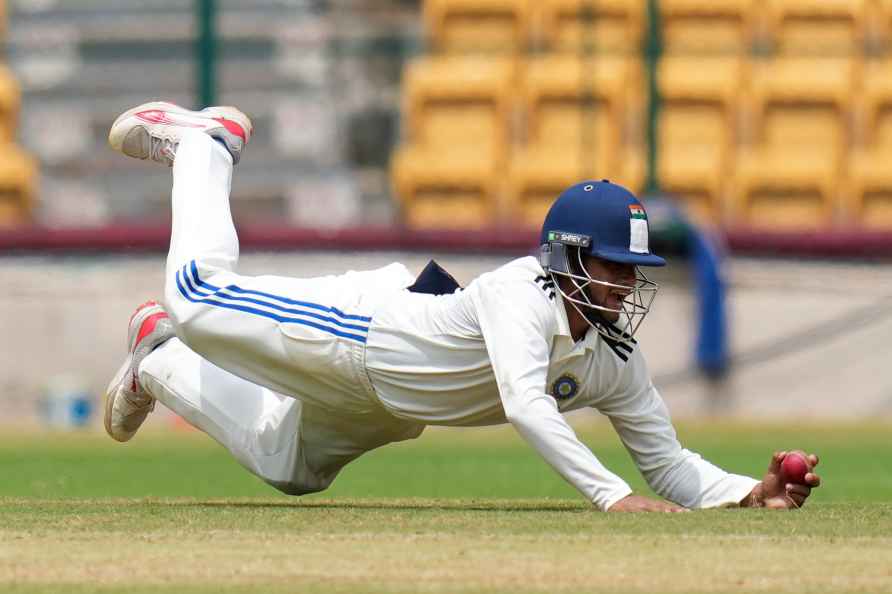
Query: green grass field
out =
(455, 511)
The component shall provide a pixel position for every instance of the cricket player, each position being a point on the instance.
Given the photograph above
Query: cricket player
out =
(297, 377)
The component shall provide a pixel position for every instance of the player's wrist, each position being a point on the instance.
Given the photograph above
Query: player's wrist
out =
(755, 498)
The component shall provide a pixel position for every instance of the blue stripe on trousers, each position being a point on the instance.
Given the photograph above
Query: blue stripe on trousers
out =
(259, 312)
(219, 294)
(237, 289)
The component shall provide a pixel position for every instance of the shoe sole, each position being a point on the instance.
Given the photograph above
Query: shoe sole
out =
(136, 322)
(137, 140)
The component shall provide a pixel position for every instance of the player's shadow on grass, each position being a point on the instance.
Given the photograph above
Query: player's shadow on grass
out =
(394, 504)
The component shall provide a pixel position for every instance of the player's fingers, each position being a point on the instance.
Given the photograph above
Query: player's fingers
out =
(776, 459)
(778, 503)
(796, 499)
(813, 460)
(803, 490)
(812, 480)
(655, 505)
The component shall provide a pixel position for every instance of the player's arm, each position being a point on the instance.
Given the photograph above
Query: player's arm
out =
(517, 323)
(640, 417)
(642, 420)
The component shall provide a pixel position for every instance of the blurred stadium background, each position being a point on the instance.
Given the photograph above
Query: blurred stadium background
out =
(403, 129)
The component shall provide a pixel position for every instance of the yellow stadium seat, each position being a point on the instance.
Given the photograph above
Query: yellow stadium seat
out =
(870, 174)
(698, 117)
(18, 185)
(538, 174)
(10, 100)
(459, 99)
(576, 110)
(458, 111)
(791, 176)
(477, 25)
(603, 25)
(707, 26)
(818, 27)
(557, 89)
(879, 22)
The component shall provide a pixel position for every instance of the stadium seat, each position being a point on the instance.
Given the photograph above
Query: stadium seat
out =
(602, 25)
(818, 27)
(698, 118)
(791, 175)
(18, 185)
(870, 176)
(10, 98)
(879, 24)
(477, 25)
(576, 111)
(706, 26)
(458, 111)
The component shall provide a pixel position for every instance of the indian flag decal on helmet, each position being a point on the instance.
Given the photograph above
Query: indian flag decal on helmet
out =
(637, 229)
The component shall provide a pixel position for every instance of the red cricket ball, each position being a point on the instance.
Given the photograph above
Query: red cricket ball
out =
(794, 468)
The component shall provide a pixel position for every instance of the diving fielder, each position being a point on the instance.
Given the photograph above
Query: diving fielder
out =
(297, 377)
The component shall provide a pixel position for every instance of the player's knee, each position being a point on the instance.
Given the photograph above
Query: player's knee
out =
(181, 315)
(299, 486)
(187, 298)
(192, 283)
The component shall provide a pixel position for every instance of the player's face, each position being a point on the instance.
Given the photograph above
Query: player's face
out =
(613, 273)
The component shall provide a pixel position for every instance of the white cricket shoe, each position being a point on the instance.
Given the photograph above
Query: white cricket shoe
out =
(126, 403)
(153, 130)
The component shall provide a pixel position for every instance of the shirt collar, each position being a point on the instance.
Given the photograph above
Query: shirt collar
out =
(569, 347)
(563, 322)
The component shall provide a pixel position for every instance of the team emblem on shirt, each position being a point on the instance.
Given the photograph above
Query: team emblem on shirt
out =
(565, 387)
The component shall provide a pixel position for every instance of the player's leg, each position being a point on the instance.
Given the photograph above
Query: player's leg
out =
(256, 425)
(294, 446)
(297, 337)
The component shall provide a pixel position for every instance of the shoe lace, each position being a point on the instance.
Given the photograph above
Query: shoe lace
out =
(162, 149)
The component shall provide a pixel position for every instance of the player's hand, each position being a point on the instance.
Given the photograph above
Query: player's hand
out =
(774, 493)
(639, 503)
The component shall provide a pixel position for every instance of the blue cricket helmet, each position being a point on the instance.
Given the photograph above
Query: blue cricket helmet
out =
(602, 219)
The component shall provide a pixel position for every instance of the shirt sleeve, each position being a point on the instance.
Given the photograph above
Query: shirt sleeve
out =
(641, 419)
(517, 322)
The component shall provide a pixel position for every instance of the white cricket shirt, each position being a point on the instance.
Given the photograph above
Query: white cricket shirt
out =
(500, 351)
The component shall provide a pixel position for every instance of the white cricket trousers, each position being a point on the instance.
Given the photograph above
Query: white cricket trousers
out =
(271, 367)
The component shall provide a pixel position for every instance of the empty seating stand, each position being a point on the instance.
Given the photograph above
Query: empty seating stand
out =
(790, 174)
(773, 113)
(817, 27)
(18, 185)
(477, 25)
(590, 25)
(10, 102)
(575, 110)
(697, 129)
(869, 196)
(18, 170)
(707, 27)
(457, 111)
